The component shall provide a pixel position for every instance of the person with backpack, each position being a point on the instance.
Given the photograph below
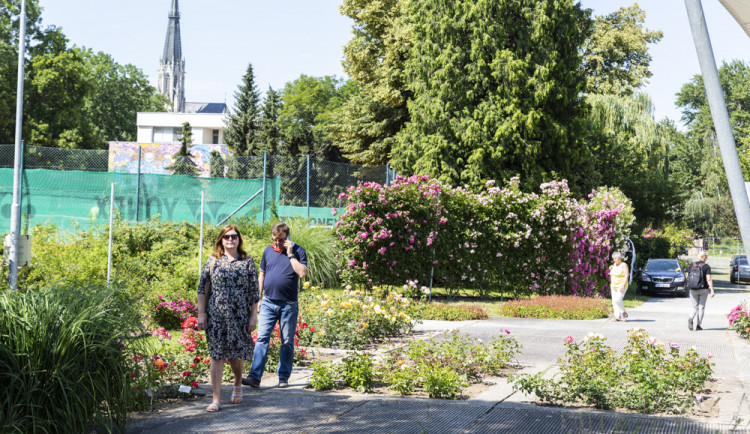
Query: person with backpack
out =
(619, 275)
(699, 282)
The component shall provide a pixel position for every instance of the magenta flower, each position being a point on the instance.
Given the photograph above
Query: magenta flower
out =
(333, 211)
(569, 339)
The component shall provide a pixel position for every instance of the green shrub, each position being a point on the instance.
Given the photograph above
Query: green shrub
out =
(647, 377)
(357, 371)
(63, 363)
(452, 312)
(171, 313)
(324, 375)
(557, 307)
(442, 382)
(402, 379)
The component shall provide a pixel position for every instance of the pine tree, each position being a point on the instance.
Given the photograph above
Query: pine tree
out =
(242, 125)
(497, 91)
(182, 164)
(268, 136)
(217, 165)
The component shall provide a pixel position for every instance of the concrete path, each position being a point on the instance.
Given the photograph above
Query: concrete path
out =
(499, 409)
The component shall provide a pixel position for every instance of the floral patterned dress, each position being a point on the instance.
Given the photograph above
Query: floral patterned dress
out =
(233, 291)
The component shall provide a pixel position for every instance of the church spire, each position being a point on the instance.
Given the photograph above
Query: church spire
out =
(172, 65)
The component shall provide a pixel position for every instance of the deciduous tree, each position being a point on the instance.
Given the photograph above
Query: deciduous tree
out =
(615, 56)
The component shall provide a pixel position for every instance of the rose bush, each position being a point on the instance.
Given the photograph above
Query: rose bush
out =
(351, 318)
(495, 239)
(647, 377)
(739, 320)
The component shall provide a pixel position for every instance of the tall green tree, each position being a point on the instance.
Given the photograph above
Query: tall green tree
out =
(53, 111)
(366, 126)
(708, 205)
(116, 94)
(268, 137)
(308, 108)
(183, 164)
(242, 123)
(497, 91)
(630, 150)
(73, 98)
(615, 56)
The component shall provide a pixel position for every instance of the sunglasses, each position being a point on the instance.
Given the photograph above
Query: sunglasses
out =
(231, 237)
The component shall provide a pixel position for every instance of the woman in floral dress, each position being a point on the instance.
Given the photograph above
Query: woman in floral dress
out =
(228, 309)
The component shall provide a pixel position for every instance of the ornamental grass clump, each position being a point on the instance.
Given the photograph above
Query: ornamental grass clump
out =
(648, 376)
(557, 307)
(63, 359)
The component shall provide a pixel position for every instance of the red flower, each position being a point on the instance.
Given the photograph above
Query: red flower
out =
(186, 373)
(194, 384)
(191, 322)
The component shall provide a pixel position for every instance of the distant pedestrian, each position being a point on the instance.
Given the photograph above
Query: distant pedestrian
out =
(281, 266)
(618, 274)
(228, 309)
(699, 282)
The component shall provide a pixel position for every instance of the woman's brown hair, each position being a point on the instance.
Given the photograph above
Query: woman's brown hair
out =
(219, 248)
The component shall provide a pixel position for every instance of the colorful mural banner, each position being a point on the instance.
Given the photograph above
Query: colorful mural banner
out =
(156, 157)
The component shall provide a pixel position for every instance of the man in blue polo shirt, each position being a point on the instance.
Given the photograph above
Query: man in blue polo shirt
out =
(281, 266)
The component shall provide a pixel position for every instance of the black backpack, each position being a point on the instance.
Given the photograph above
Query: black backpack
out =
(695, 276)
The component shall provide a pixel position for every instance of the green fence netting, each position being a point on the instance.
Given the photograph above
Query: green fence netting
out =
(76, 198)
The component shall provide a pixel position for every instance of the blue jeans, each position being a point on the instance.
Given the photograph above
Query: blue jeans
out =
(285, 313)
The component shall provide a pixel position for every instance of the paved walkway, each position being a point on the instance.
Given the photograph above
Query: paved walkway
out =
(499, 409)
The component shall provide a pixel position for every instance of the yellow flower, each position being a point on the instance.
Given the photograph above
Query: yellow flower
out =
(364, 324)
(400, 362)
(306, 285)
(329, 312)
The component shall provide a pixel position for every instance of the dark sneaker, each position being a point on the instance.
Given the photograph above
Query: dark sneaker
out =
(698, 327)
(690, 323)
(283, 382)
(251, 381)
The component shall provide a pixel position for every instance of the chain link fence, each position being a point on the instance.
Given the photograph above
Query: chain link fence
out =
(302, 186)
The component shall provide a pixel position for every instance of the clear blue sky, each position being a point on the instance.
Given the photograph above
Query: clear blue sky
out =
(284, 39)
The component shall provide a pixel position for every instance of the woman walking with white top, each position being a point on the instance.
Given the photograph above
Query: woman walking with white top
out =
(618, 274)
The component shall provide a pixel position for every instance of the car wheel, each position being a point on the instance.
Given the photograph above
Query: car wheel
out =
(685, 293)
(732, 280)
(638, 291)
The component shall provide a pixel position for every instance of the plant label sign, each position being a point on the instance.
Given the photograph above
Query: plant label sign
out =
(185, 389)
(23, 247)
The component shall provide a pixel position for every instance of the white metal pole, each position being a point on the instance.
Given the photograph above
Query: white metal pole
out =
(15, 212)
(200, 244)
(111, 221)
(720, 116)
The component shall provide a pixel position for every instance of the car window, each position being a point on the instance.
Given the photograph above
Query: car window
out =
(742, 261)
(662, 266)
